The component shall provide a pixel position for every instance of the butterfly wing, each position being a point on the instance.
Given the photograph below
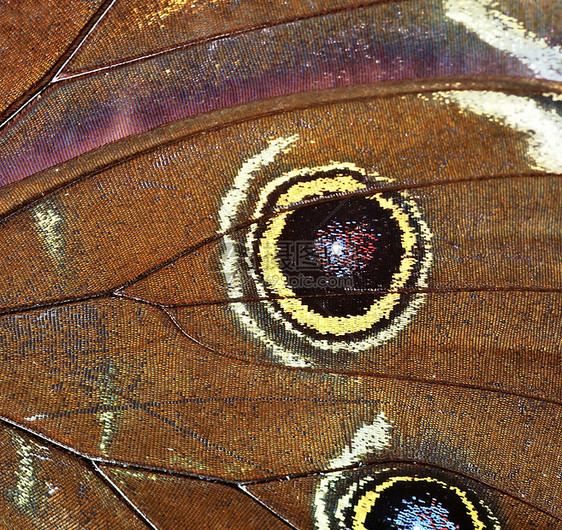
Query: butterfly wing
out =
(139, 334)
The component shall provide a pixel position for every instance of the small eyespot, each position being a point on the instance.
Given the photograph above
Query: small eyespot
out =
(412, 502)
(406, 498)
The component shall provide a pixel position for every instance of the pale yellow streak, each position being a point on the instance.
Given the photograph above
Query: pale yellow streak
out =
(26, 480)
(48, 223)
(25, 477)
(107, 417)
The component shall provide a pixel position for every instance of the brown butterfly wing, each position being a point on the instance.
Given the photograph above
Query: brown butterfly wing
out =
(119, 341)
(36, 40)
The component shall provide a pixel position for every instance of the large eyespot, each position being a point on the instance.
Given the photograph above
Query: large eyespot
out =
(338, 262)
(336, 267)
(403, 498)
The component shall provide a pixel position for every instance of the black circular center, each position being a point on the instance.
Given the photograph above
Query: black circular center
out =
(349, 247)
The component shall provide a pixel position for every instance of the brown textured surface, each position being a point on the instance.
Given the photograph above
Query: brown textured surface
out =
(467, 338)
(171, 403)
(135, 28)
(117, 379)
(188, 503)
(382, 42)
(469, 221)
(13, 196)
(109, 344)
(43, 487)
(34, 36)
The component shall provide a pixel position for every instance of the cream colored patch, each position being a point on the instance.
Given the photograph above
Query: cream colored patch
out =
(368, 440)
(27, 482)
(543, 127)
(507, 34)
(25, 475)
(230, 257)
(108, 428)
(36, 417)
(553, 95)
(48, 223)
(51, 489)
(107, 418)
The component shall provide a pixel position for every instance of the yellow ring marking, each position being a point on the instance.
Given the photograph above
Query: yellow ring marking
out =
(367, 501)
(288, 300)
